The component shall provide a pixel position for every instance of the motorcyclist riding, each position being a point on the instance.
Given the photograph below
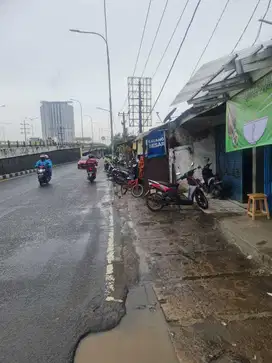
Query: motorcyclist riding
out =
(46, 162)
(91, 161)
(91, 165)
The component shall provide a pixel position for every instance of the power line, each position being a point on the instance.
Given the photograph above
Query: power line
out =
(211, 37)
(245, 29)
(142, 38)
(171, 38)
(261, 23)
(156, 35)
(140, 47)
(177, 54)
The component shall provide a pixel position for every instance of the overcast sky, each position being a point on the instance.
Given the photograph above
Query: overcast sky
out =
(41, 60)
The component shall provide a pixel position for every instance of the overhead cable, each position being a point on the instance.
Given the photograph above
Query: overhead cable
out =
(140, 47)
(261, 23)
(156, 35)
(177, 54)
(171, 38)
(245, 29)
(211, 37)
(142, 38)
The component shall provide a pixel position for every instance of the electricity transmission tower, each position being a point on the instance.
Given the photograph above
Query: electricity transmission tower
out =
(25, 129)
(140, 102)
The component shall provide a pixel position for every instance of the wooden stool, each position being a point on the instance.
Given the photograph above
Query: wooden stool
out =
(263, 210)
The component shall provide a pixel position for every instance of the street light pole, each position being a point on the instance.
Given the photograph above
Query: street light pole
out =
(102, 109)
(109, 77)
(81, 116)
(105, 39)
(91, 119)
(265, 21)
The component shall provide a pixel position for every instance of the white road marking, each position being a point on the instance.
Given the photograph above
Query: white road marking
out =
(110, 279)
(108, 215)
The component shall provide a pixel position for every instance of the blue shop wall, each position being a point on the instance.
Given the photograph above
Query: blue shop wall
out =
(229, 165)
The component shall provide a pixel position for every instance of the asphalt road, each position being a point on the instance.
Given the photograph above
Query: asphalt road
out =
(54, 265)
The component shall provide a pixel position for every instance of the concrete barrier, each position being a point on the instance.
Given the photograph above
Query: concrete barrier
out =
(21, 164)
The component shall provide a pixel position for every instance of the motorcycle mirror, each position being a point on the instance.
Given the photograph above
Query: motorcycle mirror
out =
(192, 164)
(199, 167)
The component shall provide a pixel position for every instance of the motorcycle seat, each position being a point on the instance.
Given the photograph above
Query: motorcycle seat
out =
(170, 185)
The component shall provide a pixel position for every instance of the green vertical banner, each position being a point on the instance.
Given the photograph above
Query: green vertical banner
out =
(249, 117)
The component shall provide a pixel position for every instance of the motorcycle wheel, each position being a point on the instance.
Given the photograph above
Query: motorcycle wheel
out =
(217, 192)
(154, 202)
(201, 199)
(137, 191)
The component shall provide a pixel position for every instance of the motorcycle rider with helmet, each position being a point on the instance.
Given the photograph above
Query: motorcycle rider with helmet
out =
(46, 162)
(91, 165)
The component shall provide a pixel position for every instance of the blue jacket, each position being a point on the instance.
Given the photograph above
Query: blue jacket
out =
(45, 163)
(50, 163)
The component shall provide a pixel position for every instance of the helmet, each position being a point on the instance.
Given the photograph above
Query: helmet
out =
(42, 157)
(46, 156)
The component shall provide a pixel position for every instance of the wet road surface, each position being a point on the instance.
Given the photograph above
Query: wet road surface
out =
(54, 265)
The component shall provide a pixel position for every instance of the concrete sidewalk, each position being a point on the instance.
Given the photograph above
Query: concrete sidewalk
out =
(217, 301)
(253, 238)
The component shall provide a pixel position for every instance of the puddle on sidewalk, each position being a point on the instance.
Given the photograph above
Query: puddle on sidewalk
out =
(142, 335)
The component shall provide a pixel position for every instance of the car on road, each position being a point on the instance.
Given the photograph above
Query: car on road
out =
(82, 162)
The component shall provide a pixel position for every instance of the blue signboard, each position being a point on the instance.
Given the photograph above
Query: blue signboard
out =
(155, 144)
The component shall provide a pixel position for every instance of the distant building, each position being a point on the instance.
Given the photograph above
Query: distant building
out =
(57, 121)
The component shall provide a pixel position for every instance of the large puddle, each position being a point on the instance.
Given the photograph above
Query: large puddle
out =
(141, 337)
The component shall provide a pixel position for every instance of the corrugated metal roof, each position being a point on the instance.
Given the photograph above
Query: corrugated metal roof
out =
(214, 71)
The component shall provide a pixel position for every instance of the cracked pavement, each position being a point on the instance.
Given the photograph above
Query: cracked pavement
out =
(215, 300)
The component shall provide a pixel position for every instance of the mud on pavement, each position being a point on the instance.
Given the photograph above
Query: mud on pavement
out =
(216, 301)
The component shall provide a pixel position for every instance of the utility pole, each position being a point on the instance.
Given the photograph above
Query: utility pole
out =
(25, 129)
(140, 109)
(124, 124)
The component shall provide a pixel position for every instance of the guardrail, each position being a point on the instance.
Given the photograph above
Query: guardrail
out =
(9, 144)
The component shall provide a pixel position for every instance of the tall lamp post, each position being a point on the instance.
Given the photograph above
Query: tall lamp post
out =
(105, 39)
(31, 125)
(102, 109)
(81, 116)
(91, 120)
(265, 21)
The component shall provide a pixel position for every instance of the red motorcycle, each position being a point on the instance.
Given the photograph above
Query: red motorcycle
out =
(162, 194)
(91, 173)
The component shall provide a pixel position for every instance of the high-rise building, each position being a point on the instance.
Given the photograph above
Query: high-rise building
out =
(57, 121)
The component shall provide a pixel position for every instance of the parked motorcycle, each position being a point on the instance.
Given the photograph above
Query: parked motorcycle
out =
(162, 194)
(43, 175)
(211, 182)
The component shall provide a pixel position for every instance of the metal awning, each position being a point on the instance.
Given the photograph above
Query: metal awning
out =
(215, 82)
